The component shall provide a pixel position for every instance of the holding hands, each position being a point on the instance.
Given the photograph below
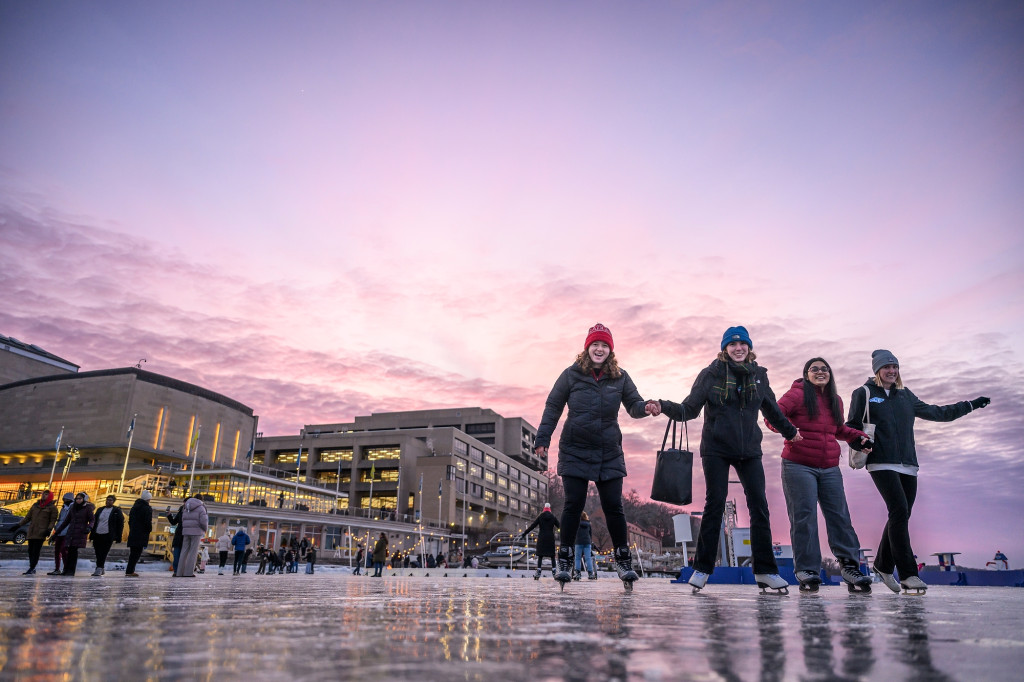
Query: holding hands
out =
(652, 407)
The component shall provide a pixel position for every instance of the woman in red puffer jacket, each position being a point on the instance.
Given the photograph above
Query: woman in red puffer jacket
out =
(811, 476)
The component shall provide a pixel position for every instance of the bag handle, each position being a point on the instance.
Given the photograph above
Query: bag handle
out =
(672, 425)
(866, 418)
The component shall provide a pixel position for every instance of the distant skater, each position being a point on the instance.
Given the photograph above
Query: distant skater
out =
(194, 524)
(41, 519)
(78, 523)
(584, 550)
(892, 464)
(731, 391)
(590, 447)
(380, 554)
(140, 525)
(545, 523)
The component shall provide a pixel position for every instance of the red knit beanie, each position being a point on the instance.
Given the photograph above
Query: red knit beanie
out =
(599, 332)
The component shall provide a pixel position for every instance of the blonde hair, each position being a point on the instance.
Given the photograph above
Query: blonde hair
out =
(611, 365)
(898, 384)
(584, 516)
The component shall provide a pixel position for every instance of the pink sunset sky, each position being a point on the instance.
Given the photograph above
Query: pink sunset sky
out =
(324, 210)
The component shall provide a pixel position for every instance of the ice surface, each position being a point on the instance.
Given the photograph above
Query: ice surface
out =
(331, 625)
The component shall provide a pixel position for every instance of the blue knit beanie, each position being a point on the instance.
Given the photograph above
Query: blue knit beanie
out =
(736, 334)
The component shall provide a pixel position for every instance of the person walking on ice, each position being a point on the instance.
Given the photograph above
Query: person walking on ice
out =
(590, 447)
(732, 391)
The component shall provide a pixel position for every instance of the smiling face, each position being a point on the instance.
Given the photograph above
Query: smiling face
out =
(737, 350)
(818, 374)
(888, 375)
(598, 352)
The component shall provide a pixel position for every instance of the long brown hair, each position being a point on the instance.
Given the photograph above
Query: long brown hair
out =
(610, 366)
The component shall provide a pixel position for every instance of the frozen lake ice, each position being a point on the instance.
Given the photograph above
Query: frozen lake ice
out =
(332, 625)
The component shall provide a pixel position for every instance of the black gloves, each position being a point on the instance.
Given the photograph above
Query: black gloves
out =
(979, 403)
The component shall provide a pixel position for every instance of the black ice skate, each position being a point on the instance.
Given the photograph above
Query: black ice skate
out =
(563, 571)
(771, 581)
(536, 576)
(624, 567)
(855, 580)
(576, 574)
(809, 581)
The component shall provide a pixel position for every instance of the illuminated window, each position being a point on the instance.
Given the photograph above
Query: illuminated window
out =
(488, 495)
(474, 470)
(502, 500)
(385, 475)
(290, 457)
(502, 482)
(460, 465)
(385, 452)
(490, 461)
(490, 477)
(513, 504)
(514, 487)
(335, 456)
(379, 502)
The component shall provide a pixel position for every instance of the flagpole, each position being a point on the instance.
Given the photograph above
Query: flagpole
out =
(56, 456)
(251, 456)
(439, 493)
(298, 467)
(195, 456)
(124, 469)
(421, 520)
(370, 503)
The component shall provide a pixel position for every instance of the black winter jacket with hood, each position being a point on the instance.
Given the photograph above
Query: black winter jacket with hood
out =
(893, 416)
(545, 524)
(730, 431)
(591, 443)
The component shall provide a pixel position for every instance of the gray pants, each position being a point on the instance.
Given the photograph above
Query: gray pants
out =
(806, 488)
(189, 551)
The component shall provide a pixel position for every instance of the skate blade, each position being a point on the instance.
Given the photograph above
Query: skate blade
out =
(914, 591)
(627, 585)
(774, 590)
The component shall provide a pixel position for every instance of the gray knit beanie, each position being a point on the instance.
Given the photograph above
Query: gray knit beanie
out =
(880, 358)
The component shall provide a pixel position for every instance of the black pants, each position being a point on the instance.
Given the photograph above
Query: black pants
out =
(133, 558)
(898, 492)
(610, 493)
(102, 543)
(716, 479)
(239, 560)
(34, 548)
(71, 562)
(223, 558)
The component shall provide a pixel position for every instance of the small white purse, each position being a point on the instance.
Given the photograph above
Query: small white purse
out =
(858, 458)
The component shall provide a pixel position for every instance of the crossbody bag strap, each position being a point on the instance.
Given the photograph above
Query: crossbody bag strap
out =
(866, 419)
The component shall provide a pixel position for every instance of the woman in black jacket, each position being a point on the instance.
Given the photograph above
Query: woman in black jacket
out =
(893, 459)
(590, 448)
(140, 525)
(732, 391)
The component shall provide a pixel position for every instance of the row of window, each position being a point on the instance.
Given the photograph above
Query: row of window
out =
(389, 452)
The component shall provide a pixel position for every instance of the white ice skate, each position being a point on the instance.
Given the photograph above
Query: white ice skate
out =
(697, 581)
(888, 579)
(771, 581)
(914, 585)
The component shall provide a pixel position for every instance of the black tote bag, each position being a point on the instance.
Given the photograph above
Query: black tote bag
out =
(673, 473)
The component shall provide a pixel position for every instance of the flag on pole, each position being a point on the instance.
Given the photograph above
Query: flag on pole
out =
(439, 489)
(372, 467)
(59, 435)
(195, 439)
(131, 427)
(252, 448)
(421, 484)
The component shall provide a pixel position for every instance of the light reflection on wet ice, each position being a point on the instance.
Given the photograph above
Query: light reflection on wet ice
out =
(334, 626)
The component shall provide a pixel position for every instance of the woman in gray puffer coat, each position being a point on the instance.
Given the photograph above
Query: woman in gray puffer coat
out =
(194, 524)
(590, 448)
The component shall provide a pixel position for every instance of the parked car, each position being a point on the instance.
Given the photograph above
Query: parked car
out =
(8, 523)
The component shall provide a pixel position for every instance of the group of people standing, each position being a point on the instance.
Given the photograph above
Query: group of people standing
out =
(78, 522)
(734, 394)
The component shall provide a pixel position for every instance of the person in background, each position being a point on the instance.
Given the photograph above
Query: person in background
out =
(78, 523)
(108, 528)
(310, 557)
(359, 561)
(240, 542)
(245, 559)
(204, 557)
(892, 464)
(223, 547)
(140, 525)
(194, 524)
(261, 554)
(731, 391)
(60, 550)
(41, 519)
(175, 520)
(584, 550)
(380, 555)
(545, 523)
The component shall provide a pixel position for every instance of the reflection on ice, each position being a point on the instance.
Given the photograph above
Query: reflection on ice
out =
(341, 627)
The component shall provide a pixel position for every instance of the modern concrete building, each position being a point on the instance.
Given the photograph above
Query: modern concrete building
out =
(454, 468)
(19, 360)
